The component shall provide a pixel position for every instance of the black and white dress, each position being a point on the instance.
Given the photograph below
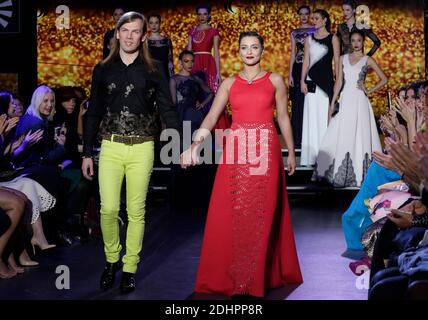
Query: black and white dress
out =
(315, 114)
(297, 97)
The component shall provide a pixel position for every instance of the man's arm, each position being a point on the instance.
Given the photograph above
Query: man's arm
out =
(93, 116)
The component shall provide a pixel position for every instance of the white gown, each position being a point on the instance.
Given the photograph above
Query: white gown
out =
(352, 136)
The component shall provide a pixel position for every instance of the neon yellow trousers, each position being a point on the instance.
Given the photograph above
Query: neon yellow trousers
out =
(135, 163)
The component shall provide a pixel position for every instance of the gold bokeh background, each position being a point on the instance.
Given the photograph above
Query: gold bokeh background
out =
(67, 57)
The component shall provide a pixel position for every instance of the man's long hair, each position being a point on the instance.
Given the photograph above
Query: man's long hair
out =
(144, 49)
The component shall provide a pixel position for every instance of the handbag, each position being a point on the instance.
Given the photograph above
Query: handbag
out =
(336, 109)
(311, 86)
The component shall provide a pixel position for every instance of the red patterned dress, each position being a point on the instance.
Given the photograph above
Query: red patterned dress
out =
(204, 65)
(248, 244)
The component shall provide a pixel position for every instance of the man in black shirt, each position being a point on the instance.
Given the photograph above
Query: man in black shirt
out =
(344, 30)
(125, 88)
(117, 13)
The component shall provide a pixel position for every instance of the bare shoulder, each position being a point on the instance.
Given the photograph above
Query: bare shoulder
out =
(276, 79)
(227, 83)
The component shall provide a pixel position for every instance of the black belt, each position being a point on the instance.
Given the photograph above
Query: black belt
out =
(128, 140)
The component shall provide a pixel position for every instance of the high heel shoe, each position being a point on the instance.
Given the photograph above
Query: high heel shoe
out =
(34, 243)
(28, 263)
(25, 260)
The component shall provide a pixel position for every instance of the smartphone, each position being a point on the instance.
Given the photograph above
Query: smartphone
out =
(57, 131)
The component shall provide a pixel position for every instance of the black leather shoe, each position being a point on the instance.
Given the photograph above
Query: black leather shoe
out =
(107, 278)
(127, 283)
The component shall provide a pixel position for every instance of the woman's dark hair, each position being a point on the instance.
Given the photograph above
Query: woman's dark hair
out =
(415, 87)
(304, 6)
(154, 15)
(350, 3)
(82, 92)
(403, 88)
(144, 48)
(204, 6)
(356, 31)
(65, 93)
(5, 99)
(252, 34)
(324, 14)
(183, 53)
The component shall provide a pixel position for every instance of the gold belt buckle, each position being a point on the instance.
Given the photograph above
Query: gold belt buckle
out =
(128, 141)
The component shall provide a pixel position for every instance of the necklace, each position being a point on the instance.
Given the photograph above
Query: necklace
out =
(250, 81)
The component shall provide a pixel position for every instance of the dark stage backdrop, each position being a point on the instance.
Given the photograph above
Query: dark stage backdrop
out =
(70, 38)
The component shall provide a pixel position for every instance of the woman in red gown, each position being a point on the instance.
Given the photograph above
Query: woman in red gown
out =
(248, 245)
(202, 40)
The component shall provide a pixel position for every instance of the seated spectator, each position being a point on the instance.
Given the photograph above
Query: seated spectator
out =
(76, 198)
(11, 210)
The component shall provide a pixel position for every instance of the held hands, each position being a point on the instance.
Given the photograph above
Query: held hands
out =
(189, 157)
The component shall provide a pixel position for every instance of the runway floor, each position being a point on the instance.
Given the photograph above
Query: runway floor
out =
(170, 256)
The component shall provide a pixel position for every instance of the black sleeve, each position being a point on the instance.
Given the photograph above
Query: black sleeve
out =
(95, 113)
(171, 57)
(424, 198)
(339, 35)
(376, 42)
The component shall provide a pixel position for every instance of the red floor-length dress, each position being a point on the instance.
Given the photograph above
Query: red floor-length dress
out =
(248, 244)
(202, 45)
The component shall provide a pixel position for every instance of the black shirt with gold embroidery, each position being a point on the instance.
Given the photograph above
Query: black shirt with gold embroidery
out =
(124, 99)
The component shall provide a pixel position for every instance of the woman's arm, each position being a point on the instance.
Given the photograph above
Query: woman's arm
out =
(173, 90)
(337, 87)
(292, 57)
(217, 57)
(305, 67)
(220, 101)
(283, 119)
(206, 89)
(376, 42)
(336, 55)
(170, 58)
(383, 78)
(189, 43)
